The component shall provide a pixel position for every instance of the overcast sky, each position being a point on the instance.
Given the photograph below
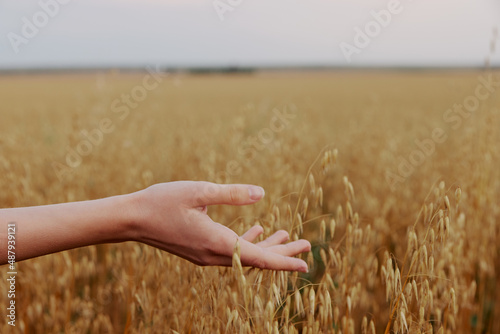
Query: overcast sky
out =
(89, 33)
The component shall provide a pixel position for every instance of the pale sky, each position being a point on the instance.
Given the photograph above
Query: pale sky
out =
(95, 33)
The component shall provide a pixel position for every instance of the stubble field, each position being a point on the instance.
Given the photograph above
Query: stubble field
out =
(392, 176)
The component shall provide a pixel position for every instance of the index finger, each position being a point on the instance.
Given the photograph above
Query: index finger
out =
(233, 194)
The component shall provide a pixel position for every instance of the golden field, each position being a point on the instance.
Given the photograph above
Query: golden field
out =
(395, 187)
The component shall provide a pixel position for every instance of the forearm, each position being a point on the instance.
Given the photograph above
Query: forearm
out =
(48, 229)
(169, 216)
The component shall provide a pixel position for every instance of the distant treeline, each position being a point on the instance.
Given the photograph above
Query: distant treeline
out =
(234, 69)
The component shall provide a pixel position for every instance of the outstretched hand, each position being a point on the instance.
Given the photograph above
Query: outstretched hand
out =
(173, 217)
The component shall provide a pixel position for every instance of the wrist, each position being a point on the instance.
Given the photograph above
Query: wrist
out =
(133, 215)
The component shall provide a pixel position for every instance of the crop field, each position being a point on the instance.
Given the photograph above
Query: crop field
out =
(393, 176)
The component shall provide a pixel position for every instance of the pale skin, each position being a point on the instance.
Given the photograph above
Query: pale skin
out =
(169, 216)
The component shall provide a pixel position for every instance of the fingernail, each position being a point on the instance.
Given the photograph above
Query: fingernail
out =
(256, 192)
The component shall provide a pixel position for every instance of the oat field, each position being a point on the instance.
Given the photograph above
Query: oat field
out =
(393, 176)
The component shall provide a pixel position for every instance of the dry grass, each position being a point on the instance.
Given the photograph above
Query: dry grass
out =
(420, 259)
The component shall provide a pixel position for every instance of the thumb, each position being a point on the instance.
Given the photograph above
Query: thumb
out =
(231, 194)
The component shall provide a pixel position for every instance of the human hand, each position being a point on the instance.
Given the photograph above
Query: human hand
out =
(173, 217)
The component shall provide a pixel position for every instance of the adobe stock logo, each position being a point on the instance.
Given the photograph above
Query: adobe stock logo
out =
(248, 150)
(30, 28)
(119, 109)
(372, 29)
(221, 7)
(454, 117)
